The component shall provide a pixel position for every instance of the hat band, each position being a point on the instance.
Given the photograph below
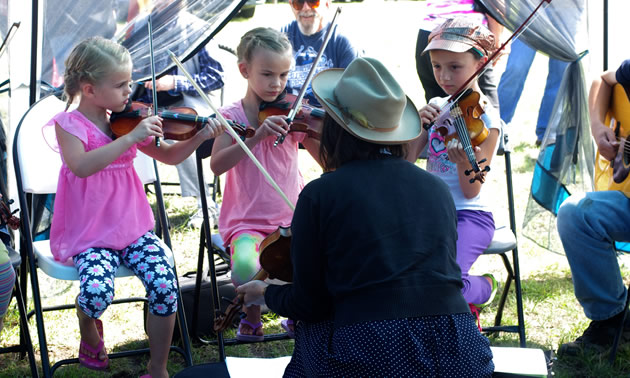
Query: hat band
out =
(358, 117)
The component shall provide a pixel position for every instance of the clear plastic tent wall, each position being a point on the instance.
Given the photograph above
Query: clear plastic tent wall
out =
(182, 26)
(564, 165)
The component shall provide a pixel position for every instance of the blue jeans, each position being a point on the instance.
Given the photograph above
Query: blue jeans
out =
(513, 80)
(589, 224)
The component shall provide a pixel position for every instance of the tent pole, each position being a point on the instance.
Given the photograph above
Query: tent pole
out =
(34, 37)
(605, 35)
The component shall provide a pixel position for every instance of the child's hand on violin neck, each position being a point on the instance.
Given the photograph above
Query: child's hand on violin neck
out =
(212, 129)
(429, 113)
(150, 126)
(273, 126)
(456, 153)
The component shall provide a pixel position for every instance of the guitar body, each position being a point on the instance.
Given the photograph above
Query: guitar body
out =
(615, 175)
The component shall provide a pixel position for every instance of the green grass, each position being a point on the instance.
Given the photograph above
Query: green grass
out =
(552, 314)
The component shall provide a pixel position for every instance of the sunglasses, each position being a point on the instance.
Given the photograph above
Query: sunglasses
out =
(299, 4)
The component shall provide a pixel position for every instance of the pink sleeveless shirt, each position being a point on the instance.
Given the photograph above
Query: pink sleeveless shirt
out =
(108, 209)
(249, 201)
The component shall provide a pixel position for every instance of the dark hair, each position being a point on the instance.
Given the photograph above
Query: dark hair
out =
(338, 147)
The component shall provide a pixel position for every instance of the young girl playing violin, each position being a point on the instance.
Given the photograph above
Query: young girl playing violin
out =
(102, 217)
(458, 48)
(251, 209)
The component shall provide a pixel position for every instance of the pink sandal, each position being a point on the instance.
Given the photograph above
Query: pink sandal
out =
(88, 356)
(253, 337)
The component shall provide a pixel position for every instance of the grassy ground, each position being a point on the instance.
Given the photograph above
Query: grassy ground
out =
(552, 315)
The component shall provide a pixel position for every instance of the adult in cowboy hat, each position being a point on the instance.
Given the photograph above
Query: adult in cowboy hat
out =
(376, 290)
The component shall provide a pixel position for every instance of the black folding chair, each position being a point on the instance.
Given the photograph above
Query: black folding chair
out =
(503, 242)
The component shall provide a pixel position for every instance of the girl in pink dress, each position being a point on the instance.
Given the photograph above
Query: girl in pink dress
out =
(251, 208)
(102, 217)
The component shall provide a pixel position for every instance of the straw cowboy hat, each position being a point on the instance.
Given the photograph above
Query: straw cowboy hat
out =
(366, 101)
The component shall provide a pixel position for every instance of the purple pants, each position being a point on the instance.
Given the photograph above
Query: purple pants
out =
(475, 230)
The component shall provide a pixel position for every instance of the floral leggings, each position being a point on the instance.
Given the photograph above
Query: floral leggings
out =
(145, 257)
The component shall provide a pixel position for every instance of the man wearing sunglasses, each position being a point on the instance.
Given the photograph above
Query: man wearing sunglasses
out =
(307, 34)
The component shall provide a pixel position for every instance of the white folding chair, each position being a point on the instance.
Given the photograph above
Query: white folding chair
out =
(36, 169)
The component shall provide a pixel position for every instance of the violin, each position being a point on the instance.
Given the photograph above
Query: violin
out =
(7, 216)
(308, 119)
(275, 260)
(179, 123)
(462, 120)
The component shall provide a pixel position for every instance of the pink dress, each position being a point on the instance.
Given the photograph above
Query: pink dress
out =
(250, 203)
(108, 209)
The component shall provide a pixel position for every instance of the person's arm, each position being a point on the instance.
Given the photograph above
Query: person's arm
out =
(307, 297)
(209, 77)
(598, 103)
(485, 150)
(496, 28)
(415, 147)
(177, 152)
(226, 154)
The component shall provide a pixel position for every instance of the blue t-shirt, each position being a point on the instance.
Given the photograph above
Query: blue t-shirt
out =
(338, 54)
(623, 73)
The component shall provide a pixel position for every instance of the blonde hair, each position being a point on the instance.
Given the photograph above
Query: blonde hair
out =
(267, 38)
(90, 62)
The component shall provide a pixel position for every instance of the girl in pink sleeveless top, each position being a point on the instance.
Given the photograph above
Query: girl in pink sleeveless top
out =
(102, 217)
(251, 208)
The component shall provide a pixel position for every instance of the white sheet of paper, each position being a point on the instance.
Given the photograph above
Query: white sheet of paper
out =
(525, 361)
(264, 367)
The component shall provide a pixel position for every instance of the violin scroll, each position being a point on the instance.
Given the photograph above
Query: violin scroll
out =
(223, 320)
(479, 175)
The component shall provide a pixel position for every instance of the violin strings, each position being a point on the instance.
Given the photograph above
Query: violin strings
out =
(462, 132)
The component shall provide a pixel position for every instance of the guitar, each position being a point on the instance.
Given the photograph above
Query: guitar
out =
(615, 175)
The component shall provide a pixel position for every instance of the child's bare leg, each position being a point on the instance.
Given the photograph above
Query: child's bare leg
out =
(89, 333)
(253, 316)
(160, 331)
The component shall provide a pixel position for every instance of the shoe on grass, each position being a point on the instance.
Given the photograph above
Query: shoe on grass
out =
(597, 338)
(493, 292)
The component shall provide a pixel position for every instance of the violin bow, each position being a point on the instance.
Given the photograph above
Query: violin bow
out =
(298, 101)
(154, 91)
(231, 131)
(9, 37)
